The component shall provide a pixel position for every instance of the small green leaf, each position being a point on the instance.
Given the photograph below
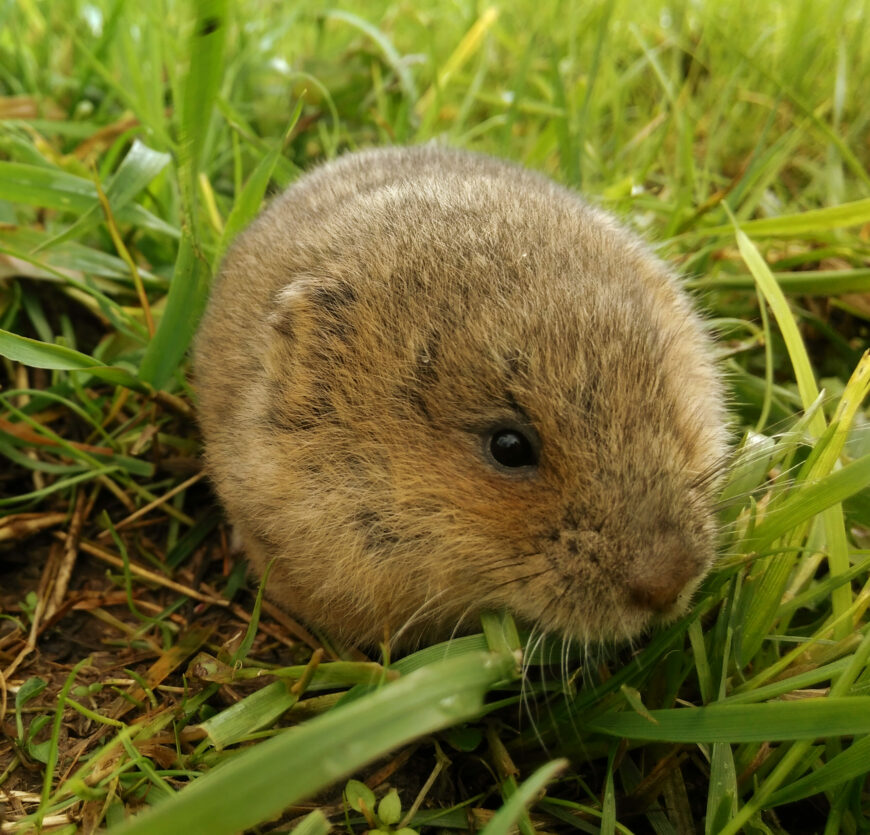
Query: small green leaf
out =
(29, 690)
(38, 751)
(464, 738)
(358, 794)
(633, 697)
(390, 808)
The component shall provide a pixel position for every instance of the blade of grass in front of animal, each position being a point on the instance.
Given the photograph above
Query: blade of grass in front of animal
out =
(188, 290)
(200, 87)
(261, 781)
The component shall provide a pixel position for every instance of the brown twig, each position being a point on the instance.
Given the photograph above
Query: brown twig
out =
(142, 511)
(107, 557)
(68, 559)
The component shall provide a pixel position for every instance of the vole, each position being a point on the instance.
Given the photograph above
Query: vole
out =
(431, 383)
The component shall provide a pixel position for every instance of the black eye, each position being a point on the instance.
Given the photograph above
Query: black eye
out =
(511, 448)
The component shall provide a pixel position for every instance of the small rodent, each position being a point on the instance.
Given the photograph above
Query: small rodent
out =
(431, 383)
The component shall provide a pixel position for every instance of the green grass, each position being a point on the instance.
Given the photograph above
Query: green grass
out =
(137, 139)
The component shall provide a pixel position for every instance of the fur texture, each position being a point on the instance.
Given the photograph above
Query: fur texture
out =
(366, 335)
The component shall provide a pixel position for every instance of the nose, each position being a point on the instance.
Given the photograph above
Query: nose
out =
(657, 584)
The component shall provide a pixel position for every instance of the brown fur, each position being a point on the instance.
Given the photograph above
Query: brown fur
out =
(376, 321)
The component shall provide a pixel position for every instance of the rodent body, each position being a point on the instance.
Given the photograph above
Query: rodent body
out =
(379, 325)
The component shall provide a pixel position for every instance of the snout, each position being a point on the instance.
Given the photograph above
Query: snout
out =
(660, 575)
(659, 589)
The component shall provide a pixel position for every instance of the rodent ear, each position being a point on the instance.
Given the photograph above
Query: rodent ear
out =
(292, 310)
(309, 310)
(308, 301)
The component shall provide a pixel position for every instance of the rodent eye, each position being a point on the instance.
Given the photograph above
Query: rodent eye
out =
(511, 448)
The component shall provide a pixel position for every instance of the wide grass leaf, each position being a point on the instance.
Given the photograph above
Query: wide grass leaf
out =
(205, 70)
(52, 188)
(38, 354)
(141, 165)
(260, 782)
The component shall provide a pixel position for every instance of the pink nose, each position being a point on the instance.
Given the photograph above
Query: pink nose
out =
(657, 587)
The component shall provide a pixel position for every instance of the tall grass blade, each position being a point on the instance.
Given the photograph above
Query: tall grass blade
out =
(506, 818)
(188, 293)
(803, 719)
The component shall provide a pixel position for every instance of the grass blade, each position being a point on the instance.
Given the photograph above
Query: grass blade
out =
(51, 188)
(187, 297)
(205, 70)
(810, 222)
(314, 823)
(296, 763)
(390, 53)
(249, 200)
(811, 499)
(38, 354)
(136, 171)
(506, 817)
(804, 719)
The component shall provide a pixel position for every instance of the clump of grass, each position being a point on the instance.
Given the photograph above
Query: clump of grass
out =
(135, 141)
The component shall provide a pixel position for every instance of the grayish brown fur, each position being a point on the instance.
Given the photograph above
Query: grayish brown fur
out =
(376, 322)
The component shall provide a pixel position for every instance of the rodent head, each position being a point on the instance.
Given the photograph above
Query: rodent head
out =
(480, 394)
